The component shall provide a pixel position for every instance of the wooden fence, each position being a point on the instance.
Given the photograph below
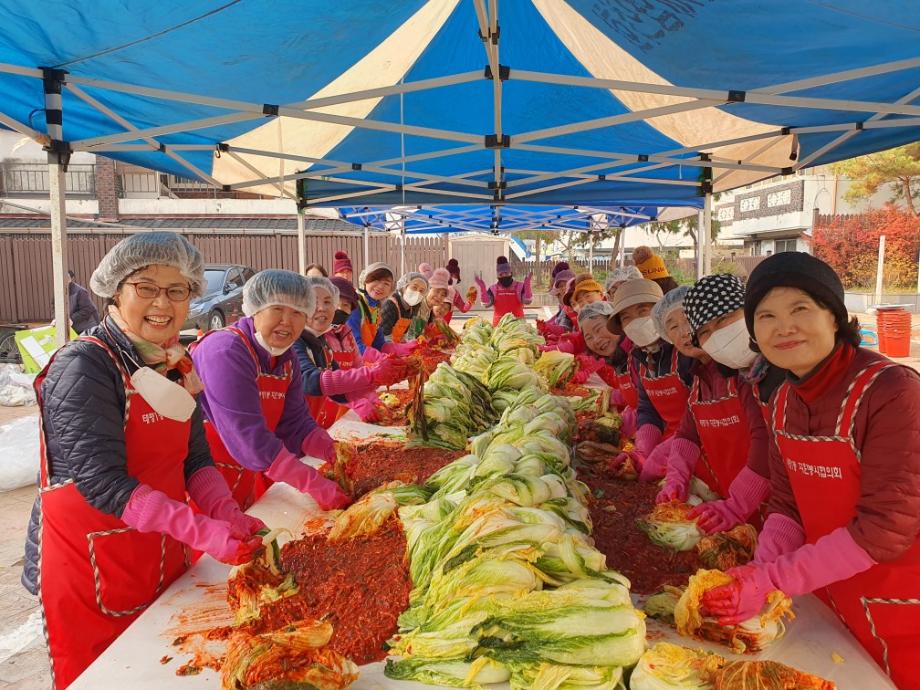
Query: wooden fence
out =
(25, 259)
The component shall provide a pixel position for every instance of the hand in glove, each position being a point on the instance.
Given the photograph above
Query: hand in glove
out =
(834, 557)
(471, 295)
(149, 510)
(679, 463)
(388, 371)
(366, 409)
(398, 349)
(208, 488)
(318, 444)
(291, 470)
(746, 493)
(482, 288)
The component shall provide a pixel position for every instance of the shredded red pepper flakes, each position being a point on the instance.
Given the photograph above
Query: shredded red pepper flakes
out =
(360, 586)
(375, 463)
(615, 506)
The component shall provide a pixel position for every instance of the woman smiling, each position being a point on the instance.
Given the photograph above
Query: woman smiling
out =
(256, 418)
(844, 515)
(123, 446)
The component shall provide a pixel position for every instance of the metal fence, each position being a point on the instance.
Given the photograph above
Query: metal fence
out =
(32, 178)
(26, 287)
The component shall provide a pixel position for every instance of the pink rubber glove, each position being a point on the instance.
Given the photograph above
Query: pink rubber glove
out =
(371, 355)
(656, 464)
(483, 291)
(588, 363)
(149, 510)
(208, 488)
(342, 381)
(289, 469)
(527, 293)
(365, 409)
(318, 444)
(834, 557)
(647, 437)
(580, 376)
(549, 347)
(398, 349)
(747, 492)
(680, 465)
(628, 421)
(388, 371)
(780, 535)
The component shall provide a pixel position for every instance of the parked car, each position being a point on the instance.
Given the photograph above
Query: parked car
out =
(221, 302)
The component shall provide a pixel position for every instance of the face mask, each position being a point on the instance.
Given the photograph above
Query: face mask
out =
(167, 398)
(273, 351)
(412, 297)
(730, 346)
(340, 317)
(642, 331)
(506, 281)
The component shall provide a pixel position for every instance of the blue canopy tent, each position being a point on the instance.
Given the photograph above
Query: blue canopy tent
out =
(422, 102)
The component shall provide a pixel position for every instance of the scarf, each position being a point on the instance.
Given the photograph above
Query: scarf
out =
(162, 358)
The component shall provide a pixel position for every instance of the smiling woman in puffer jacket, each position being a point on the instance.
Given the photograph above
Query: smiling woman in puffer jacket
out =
(844, 514)
(122, 445)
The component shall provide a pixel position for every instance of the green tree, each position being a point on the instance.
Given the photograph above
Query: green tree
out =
(899, 167)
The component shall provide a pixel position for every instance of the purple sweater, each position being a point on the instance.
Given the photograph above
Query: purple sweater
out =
(231, 401)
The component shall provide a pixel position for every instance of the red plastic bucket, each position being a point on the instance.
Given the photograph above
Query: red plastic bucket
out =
(880, 326)
(897, 324)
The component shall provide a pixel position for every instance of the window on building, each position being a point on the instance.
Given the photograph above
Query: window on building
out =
(784, 246)
(750, 204)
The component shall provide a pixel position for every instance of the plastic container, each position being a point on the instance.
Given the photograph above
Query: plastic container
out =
(880, 317)
(897, 325)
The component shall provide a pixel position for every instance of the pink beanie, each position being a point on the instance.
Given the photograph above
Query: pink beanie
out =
(341, 262)
(426, 270)
(440, 278)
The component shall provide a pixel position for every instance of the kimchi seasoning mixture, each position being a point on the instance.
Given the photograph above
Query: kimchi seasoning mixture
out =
(396, 414)
(360, 586)
(364, 466)
(615, 506)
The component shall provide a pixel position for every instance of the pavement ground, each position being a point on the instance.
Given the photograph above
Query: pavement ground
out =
(23, 658)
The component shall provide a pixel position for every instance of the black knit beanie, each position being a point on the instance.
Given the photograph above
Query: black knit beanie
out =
(797, 270)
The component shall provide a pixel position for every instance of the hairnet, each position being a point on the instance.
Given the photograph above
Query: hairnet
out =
(621, 275)
(407, 278)
(595, 309)
(276, 288)
(327, 285)
(147, 249)
(671, 301)
(372, 268)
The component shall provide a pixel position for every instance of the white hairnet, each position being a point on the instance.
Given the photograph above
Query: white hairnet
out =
(407, 278)
(621, 275)
(371, 268)
(595, 309)
(277, 288)
(147, 249)
(671, 301)
(324, 284)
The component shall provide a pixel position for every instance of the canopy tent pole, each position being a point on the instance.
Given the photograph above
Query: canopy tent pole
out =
(367, 246)
(700, 224)
(590, 250)
(706, 234)
(301, 240)
(58, 157)
(402, 247)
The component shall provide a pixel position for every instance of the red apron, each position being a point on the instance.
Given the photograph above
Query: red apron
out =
(628, 388)
(668, 393)
(725, 437)
(246, 485)
(324, 409)
(96, 574)
(880, 606)
(506, 301)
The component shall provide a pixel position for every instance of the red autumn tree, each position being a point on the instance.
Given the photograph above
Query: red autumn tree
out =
(850, 245)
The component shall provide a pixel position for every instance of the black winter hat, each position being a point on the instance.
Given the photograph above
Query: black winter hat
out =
(797, 270)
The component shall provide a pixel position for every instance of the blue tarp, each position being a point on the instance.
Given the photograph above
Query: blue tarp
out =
(276, 52)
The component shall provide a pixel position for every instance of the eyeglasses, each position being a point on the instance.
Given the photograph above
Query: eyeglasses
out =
(175, 293)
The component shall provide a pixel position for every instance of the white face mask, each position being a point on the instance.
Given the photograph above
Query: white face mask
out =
(729, 346)
(166, 397)
(274, 351)
(642, 331)
(412, 297)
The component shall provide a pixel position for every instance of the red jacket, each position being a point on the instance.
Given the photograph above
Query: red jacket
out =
(713, 386)
(886, 432)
